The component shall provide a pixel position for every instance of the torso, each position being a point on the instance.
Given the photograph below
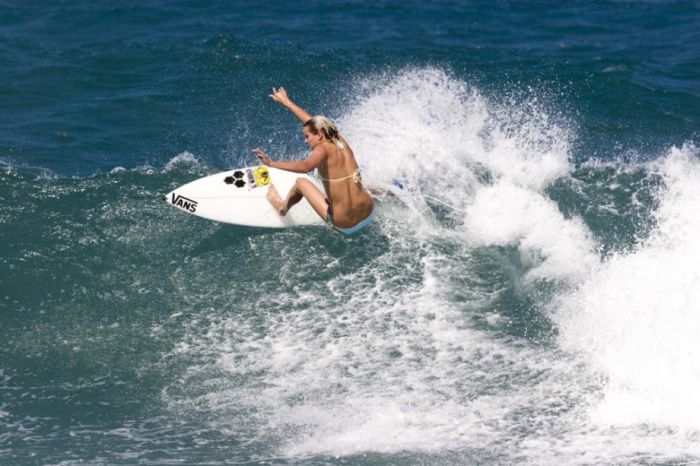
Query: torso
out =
(349, 201)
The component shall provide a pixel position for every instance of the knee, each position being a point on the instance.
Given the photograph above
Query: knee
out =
(301, 183)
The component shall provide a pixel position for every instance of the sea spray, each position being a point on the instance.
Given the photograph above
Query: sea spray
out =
(486, 163)
(550, 245)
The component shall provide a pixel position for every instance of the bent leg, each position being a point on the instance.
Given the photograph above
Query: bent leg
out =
(302, 188)
(312, 194)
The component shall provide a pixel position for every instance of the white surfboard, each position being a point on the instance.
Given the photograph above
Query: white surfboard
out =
(238, 196)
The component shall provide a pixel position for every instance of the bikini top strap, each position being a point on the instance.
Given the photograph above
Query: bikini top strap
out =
(356, 176)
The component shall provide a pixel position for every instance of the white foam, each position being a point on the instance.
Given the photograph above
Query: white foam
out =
(183, 158)
(41, 173)
(551, 246)
(637, 319)
(361, 368)
(390, 355)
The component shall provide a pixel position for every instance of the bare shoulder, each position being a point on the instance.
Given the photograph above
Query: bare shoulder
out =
(316, 157)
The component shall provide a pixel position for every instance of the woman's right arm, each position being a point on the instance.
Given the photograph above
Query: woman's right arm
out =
(315, 158)
(280, 96)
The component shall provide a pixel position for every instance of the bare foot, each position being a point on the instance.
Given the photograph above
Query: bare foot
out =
(274, 197)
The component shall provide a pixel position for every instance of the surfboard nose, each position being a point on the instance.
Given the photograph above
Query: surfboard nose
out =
(168, 198)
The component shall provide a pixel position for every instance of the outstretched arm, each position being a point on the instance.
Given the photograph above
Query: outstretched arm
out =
(314, 159)
(280, 96)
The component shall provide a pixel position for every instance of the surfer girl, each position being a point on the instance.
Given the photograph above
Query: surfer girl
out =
(346, 205)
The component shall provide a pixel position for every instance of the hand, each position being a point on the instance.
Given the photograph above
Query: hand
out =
(280, 96)
(264, 159)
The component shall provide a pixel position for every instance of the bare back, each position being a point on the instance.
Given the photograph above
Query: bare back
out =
(348, 198)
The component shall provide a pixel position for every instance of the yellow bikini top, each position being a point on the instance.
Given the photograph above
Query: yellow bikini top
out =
(356, 176)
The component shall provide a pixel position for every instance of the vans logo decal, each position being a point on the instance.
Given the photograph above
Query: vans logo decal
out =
(184, 203)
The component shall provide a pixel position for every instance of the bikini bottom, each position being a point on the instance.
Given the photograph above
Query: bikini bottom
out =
(351, 230)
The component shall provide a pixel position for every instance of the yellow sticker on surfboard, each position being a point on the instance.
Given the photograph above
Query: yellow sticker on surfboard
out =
(262, 175)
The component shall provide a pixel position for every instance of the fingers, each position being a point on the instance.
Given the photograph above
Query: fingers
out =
(278, 94)
(261, 155)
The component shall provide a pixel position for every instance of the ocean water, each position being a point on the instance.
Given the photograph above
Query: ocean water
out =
(531, 296)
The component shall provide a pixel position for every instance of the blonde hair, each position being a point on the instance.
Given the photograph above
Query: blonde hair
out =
(322, 125)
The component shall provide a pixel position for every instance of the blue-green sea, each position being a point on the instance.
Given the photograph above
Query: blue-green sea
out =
(530, 294)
